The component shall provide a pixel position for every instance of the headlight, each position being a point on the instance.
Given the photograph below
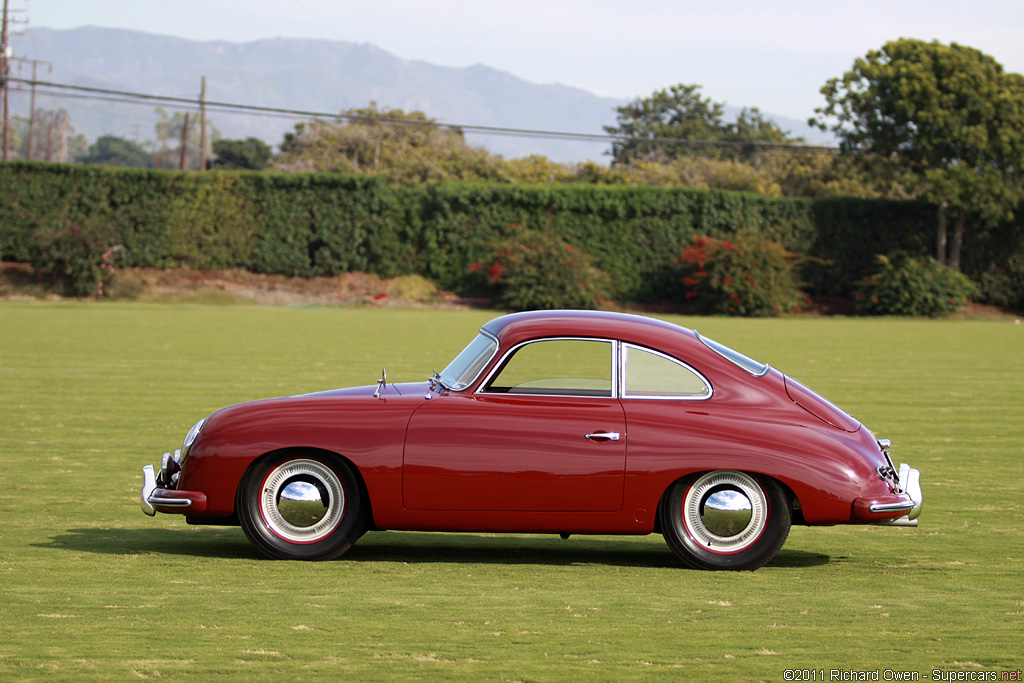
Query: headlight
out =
(190, 438)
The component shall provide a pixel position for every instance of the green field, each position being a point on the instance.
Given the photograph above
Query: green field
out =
(91, 589)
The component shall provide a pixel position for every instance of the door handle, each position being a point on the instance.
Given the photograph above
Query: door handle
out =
(603, 436)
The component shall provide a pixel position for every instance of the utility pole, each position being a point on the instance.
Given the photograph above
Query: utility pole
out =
(5, 71)
(32, 105)
(202, 126)
(49, 138)
(5, 56)
(62, 151)
(184, 143)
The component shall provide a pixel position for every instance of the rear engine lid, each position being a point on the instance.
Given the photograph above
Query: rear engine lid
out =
(819, 406)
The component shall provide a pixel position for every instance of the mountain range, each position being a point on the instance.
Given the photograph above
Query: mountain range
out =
(308, 75)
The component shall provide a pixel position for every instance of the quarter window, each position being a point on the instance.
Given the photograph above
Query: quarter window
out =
(649, 374)
(558, 367)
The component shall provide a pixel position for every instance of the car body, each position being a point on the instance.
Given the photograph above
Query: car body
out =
(567, 422)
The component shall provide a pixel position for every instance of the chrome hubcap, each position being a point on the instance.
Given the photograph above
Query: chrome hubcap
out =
(725, 512)
(302, 501)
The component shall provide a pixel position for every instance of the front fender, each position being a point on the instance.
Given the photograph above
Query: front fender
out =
(366, 431)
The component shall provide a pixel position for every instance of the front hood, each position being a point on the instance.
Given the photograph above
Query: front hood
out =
(819, 406)
(403, 389)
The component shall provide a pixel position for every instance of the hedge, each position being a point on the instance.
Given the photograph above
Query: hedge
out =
(324, 224)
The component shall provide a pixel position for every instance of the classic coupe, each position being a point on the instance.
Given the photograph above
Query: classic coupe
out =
(560, 422)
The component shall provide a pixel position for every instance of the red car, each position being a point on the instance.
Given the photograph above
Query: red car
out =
(562, 422)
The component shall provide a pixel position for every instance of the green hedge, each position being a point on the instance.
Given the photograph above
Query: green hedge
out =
(323, 224)
(632, 233)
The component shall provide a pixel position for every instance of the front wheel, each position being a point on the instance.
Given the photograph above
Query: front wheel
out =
(301, 507)
(725, 520)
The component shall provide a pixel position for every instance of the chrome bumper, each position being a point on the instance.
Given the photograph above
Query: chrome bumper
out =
(148, 486)
(152, 497)
(910, 483)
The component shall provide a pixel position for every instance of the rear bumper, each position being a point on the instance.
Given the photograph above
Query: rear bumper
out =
(902, 508)
(154, 499)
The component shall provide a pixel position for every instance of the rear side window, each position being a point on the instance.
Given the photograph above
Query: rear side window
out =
(649, 374)
(749, 364)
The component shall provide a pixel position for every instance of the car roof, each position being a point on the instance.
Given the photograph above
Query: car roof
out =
(516, 327)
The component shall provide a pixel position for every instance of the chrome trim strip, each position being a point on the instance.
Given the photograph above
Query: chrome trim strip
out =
(892, 507)
(170, 502)
(708, 343)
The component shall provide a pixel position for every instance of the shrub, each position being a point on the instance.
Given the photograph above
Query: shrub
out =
(1002, 284)
(539, 270)
(78, 259)
(747, 276)
(905, 285)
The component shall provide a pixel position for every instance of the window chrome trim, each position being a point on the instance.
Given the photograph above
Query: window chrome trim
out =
(497, 347)
(656, 397)
(763, 368)
(500, 365)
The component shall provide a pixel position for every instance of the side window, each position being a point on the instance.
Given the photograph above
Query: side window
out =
(557, 367)
(653, 375)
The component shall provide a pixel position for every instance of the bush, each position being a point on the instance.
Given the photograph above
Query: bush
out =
(905, 285)
(539, 270)
(1002, 284)
(747, 276)
(78, 259)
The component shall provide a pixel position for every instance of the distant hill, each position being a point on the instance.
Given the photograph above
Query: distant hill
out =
(311, 75)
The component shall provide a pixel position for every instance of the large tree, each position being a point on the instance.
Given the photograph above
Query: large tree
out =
(946, 119)
(407, 147)
(679, 121)
(114, 151)
(249, 154)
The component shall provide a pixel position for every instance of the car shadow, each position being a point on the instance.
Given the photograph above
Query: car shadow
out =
(403, 546)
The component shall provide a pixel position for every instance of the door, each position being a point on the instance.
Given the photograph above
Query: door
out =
(544, 433)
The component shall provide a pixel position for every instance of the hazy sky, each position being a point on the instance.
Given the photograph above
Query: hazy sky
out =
(773, 55)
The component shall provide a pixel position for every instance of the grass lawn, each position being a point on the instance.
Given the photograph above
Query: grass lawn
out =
(91, 589)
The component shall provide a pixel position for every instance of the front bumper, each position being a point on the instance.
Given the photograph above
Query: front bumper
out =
(906, 499)
(155, 499)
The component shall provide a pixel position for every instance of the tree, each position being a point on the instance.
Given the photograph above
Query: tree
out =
(680, 112)
(114, 151)
(251, 153)
(945, 120)
(170, 131)
(53, 137)
(407, 147)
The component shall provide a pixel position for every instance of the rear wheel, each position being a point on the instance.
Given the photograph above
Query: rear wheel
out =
(725, 520)
(301, 507)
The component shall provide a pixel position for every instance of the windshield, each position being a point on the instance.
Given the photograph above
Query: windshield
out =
(461, 372)
(749, 364)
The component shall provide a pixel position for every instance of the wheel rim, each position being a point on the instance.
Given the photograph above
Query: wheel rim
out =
(725, 512)
(302, 501)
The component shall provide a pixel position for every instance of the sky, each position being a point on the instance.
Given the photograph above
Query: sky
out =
(771, 55)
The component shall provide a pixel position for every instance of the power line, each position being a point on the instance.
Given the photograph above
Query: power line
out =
(123, 96)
